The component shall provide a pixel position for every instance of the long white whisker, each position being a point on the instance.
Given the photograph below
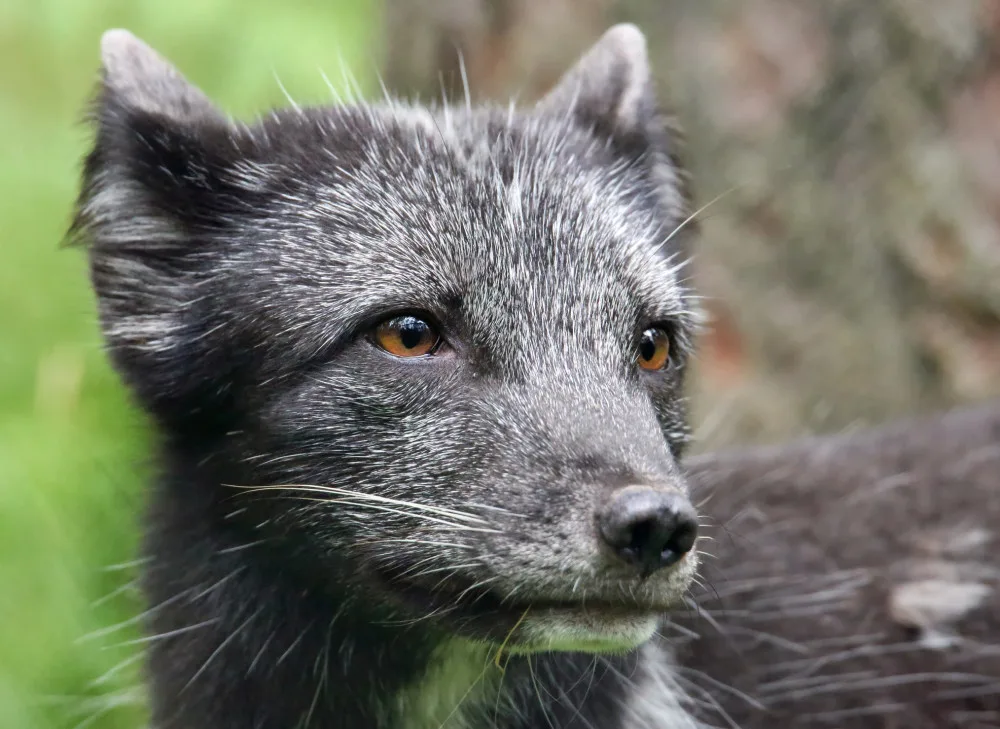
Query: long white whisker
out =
(168, 634)
(116, 669)
(221, 647)
(422, 542)
(698, 212)
(377, 507)
(451, 513)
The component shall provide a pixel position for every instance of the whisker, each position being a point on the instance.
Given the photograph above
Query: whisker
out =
(440, 511)
(698, 212)
(378, 507)
(724, 687)
(135, 619)
(116, 669)
(169, 634)
(131, 584)
(120, 566)
(497, 508)
(686, 632)
(477, 585)
(422, 542)
(221, 647)
(452, 568)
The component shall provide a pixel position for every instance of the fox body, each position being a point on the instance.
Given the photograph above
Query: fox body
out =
(416, 376)
(855, 580)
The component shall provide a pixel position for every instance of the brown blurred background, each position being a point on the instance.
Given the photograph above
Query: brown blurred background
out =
(852, 272)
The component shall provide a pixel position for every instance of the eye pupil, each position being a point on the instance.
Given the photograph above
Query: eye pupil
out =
(647, 347)
(654, 349)
(406, 336)
(412, 332)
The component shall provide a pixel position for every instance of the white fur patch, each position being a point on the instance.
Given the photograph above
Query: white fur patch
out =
(657, 701)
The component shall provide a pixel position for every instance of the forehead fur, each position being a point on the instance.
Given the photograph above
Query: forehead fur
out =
(408, 207)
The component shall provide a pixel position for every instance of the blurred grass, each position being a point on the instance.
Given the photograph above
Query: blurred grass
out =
(71, 447)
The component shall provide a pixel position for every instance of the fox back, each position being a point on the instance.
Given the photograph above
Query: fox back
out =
(855, 580)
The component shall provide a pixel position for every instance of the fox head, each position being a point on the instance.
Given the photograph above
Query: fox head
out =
(436, 356)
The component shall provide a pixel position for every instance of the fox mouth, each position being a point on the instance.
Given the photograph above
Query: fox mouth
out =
(487, 602)
(485, 614)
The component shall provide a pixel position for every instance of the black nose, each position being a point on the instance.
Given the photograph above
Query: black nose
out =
(648, 528)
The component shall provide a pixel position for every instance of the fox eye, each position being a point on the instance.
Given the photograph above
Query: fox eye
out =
(407, 336)
(654, 349)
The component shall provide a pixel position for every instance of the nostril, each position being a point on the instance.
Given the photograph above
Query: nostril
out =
(648, 528)
(680, 542)
(684, 535)
(640, 535)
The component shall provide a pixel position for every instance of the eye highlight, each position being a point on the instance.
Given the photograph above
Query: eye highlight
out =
(654, 349)
(406, 336)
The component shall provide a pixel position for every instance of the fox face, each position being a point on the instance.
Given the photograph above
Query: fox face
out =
(433, 357)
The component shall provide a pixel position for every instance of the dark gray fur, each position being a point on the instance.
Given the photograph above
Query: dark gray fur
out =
(855, 581)
(237, 268)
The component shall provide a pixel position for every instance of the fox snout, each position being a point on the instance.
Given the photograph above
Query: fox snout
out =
(647, 528)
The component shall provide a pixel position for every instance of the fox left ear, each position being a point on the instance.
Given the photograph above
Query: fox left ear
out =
(610, 90)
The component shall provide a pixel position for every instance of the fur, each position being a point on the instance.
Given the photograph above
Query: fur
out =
(854, 579)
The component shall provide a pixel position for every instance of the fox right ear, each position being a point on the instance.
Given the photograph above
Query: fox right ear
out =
(140, 79)
(156, 184)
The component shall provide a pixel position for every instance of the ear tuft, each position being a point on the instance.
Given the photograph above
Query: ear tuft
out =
(141, 79)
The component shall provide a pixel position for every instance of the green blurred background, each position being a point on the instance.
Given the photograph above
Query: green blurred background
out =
(71, 446)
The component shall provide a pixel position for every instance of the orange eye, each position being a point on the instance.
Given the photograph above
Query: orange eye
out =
(654, 349)
(407, 336)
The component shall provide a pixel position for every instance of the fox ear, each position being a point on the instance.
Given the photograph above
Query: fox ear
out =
(610, 91)
(142, 80)
(156, 183)
(610, 86)
(158, 140)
